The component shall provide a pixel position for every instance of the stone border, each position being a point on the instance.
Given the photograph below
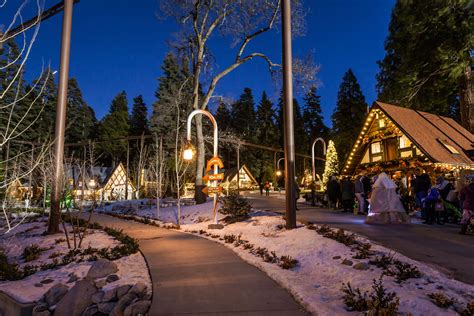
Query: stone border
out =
(10, 307)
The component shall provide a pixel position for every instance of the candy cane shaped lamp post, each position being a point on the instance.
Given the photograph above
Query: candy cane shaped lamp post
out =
(214, 162)
(319, 139)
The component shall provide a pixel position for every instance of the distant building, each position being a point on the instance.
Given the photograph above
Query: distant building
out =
(243, 179)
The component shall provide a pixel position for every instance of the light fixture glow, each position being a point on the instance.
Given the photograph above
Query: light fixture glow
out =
(188, 154)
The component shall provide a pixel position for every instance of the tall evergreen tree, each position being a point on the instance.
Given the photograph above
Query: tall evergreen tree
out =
(81, 120)
(348, 115)
(243, 115)
(267, 132)
(115, 125)
(139, 117)
(312, 116)
(427, 65)
(223, 117)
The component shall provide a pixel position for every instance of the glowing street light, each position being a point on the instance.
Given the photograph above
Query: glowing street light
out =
(319, 139)
(279, 173)
(188, 152)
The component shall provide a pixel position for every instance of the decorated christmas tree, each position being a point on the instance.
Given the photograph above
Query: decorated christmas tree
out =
(332, 163)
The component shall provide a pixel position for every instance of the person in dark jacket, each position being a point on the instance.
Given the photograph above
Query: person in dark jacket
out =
(347, 194)
(467, 196)
(367, 185)
(420, 185)
(333, 192)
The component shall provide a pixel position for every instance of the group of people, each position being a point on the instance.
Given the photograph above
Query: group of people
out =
(435, 200)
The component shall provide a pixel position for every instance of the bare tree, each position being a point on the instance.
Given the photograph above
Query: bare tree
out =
(241, 21)
(157, 166)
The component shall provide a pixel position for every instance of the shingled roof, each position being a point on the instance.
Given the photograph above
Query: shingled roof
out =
(440, 139)
(429, 132)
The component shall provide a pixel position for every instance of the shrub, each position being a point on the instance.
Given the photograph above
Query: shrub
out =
(404, 271)
(8, 271)
(32, 252)
(383, 262)
(236, 207)
(363, 251)
(378, 302)
(287, 262)
(469, 310)
(441, 300)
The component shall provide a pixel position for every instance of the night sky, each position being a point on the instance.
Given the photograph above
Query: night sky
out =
(119, 46)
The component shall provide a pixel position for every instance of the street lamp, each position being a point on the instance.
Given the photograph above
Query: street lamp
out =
(278, 173)
(188, 152)
(319, 139)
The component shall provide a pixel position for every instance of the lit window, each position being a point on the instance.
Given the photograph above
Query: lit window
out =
(376, 148)
(448, 147)
(381, 123)
(376, 158)
(404, 142)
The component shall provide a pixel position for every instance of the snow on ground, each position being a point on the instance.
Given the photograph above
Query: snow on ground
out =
(317, 280)
(131, 268)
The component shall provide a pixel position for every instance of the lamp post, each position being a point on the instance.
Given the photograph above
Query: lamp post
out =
(319, 139)
(188, 152)
(278, 173)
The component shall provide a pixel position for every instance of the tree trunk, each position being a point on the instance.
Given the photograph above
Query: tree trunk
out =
(467, 100)
(199, 196)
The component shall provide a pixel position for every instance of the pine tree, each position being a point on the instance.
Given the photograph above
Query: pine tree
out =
(348, 115)
(267, 132)
(312, 116)
(115, 125)
(139, 117)
(223, 117)
(427, 54)
(332, 163)
(169, 85)
(81, 120)
(243, 116)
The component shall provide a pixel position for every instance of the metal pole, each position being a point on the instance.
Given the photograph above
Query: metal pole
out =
(238, 168)
(289, 137)
(128, 169)
(55, 213)
(312, 154)
(188, 137)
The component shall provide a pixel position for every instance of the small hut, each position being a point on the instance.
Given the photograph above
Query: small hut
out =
(238, 179)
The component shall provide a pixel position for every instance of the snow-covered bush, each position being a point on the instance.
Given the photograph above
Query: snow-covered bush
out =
(440, 299)
(235, 206)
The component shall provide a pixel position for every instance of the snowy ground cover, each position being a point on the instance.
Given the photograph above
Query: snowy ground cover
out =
(324, 264)
(53, 248)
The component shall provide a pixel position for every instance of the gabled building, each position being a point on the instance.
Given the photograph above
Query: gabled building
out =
(238, 179)
(395, 138)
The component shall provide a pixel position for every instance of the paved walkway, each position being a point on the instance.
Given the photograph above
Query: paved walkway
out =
(193, 275)
(439, 246)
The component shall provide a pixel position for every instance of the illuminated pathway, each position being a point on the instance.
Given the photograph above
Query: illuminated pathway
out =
(439, 246)
(192, 275)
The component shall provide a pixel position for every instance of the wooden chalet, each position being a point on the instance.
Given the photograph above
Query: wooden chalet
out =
(246, 180)
(398, 139)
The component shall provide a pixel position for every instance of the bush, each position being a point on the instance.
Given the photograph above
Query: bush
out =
(235, 207)
(469, 310)
(404, 271)
(383, 262)
(363, 251)
(378, 302)
(441, 300)
(32, 252)
(287, 262)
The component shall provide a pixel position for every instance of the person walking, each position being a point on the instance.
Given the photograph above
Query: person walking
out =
(267, 188)
(261, 188)
(347, 194)
(367, 184)
(297, 194)
(333, 192)
(359, 193)
(467, 196)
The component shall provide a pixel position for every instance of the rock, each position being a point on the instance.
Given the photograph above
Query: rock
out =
(42, 313)
(137, 308)
(38, 285)
(346, 262)
(336, 257)
(122, 304)
(40, 307)
(97, 297)
(122, 290)
(46, 281)
(77, 299)
(91, 310)
(361, 266)
(112, 278)
(101, 268)
(100, 283)
(55, 294)
(72, 278)
(110, 295)
(106, 308)
(138, 289)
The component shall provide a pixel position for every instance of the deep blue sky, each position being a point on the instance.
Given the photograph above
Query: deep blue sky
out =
(119, 46)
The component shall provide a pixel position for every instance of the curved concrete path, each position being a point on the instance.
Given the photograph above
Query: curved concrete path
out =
(193, 275)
